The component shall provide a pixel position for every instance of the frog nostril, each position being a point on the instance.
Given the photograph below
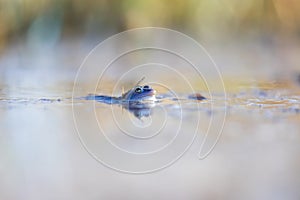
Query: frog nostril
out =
(146, 87)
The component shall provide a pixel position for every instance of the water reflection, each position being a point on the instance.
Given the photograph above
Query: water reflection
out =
(139, 109)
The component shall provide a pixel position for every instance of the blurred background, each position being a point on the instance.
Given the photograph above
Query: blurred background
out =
(232, 19)
(257, 38)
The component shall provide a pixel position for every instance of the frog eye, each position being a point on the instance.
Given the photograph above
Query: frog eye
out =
(138, 90)
(146, 87)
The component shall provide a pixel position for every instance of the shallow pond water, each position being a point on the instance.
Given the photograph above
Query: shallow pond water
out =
(70, 148)
(56, 145)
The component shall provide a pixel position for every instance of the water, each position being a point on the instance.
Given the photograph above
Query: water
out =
(53, 146)
(42, 155)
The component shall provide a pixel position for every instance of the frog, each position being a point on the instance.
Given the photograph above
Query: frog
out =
(139, 100)
(136, 95)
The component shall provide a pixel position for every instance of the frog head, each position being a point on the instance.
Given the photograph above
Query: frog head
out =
(140, 93)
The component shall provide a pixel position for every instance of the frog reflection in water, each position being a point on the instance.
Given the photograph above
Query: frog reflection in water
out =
(139, 100)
